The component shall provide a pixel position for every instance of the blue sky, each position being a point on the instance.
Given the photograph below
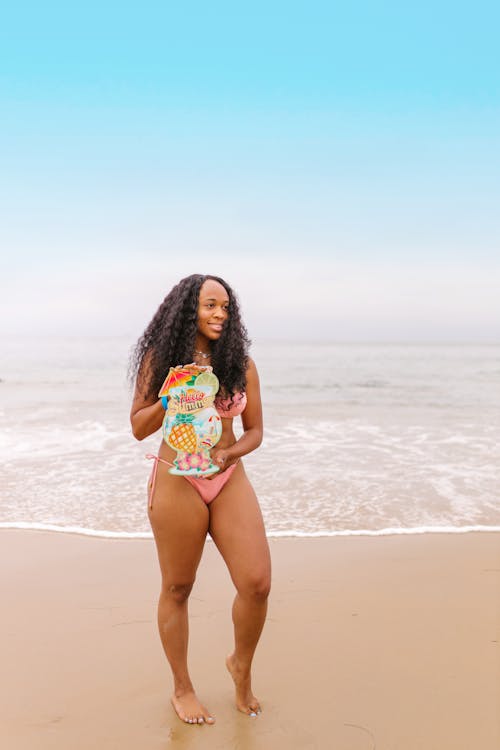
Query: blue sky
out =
(338, 165)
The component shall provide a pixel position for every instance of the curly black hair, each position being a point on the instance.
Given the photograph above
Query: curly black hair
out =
(169, 340)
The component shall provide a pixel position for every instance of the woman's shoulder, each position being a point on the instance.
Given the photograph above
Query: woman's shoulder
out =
(251, 376)
(251, 367)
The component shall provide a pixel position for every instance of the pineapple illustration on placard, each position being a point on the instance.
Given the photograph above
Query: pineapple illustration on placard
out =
(183, 437)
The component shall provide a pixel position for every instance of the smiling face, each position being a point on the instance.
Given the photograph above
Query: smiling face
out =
(213, 311)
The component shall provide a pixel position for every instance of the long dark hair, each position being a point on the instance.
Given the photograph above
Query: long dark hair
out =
(169, 340)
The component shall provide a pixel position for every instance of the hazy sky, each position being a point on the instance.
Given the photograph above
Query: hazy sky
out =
(340, 166)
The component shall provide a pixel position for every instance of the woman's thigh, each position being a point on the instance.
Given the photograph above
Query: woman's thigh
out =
(179, 519)
(237, 528)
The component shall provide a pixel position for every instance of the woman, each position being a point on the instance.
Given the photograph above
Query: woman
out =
(199, 321)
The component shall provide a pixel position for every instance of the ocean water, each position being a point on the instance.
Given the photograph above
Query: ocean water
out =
(358, 438)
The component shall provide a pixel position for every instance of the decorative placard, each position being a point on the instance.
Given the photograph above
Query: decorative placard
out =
(191, 425)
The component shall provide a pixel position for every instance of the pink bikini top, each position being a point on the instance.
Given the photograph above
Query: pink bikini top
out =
(226, 409)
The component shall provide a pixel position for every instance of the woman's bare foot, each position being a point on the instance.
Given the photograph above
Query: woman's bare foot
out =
(189, 709)
(245, 699)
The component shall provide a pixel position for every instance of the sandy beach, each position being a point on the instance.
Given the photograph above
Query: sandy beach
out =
(386, 643)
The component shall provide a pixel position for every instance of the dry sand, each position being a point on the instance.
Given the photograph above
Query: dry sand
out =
(389, 643)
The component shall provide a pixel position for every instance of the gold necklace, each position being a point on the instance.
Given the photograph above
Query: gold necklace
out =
(202, 354)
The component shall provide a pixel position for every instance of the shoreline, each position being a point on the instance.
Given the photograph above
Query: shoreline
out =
(391, 640)
(145, 535)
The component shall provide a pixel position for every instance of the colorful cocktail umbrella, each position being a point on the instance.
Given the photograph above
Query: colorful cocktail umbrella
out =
(175, 378)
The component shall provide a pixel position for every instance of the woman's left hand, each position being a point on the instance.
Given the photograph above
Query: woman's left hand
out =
(222, 458)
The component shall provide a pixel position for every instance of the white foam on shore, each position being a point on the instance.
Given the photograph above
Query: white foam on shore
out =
(395, 531)
(79, 530)
(387, 532)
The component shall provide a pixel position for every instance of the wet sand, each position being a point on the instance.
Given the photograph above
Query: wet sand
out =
(385, 643)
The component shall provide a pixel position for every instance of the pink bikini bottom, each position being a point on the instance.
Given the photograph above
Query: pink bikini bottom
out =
(208, 489)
